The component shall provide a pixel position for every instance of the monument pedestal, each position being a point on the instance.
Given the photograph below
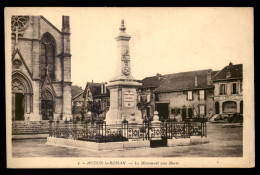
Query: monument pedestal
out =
(123, 103)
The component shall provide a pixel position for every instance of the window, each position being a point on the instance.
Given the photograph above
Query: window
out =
(108, 102)
(234, 88)
(222, 89)
(202, 110)
(139, 98)
(241, 87)
(47, 55)
(189, 95)
(156, 97)
(202, 95)
(148, 98)
(173, 111)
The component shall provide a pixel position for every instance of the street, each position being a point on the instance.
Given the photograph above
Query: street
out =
(225, 141)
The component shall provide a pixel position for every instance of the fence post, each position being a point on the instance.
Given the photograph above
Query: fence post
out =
(205, 129)
(50, 127)
(125, 128)
(202, 128)
(57, 129)
(75, 129)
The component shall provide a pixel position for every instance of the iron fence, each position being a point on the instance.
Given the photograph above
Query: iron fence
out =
(101, 132)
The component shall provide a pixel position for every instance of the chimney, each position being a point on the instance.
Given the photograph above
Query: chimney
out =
(105, 88)
(209, 78)
(159, 76)
(196, 80)
(102, 91)
(228, 74)
(66, 24)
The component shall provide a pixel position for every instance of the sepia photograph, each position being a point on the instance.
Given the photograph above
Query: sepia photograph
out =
(129, 87)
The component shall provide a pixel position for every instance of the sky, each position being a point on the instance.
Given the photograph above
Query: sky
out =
(163, 40)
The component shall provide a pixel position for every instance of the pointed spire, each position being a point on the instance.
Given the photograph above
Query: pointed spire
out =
(122, 28)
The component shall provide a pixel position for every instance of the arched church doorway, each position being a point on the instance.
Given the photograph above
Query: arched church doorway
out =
(217, 107)
(21, 96)
(47, 105)
(229, 107)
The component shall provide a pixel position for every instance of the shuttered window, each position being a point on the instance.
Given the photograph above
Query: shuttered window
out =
(202, 95)
(190, 95)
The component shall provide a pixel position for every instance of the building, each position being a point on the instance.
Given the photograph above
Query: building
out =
(41, 69)
(77, 106)
(228, 93)
(180, 95)
(96, 95)
(146, 93)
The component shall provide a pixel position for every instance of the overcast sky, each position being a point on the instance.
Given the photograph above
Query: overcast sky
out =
(164, 40)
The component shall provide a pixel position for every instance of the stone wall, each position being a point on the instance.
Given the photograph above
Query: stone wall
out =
(30, 127)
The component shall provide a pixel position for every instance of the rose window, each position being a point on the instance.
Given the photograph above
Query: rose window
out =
(20, 22)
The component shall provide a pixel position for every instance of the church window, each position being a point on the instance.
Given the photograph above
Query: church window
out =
(47, 56)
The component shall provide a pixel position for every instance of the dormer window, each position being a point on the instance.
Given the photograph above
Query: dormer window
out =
(228, 75)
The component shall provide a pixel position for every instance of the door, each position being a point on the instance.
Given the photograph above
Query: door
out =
(47, 109)
(183, 113)
(241, 107)
(217, 108)
(190, 112)
(19, 106)
(163, 110)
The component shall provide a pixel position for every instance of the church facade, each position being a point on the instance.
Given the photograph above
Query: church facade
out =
(41, 69)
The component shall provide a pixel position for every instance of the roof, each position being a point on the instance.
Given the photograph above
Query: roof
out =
(236, 72)
(214, 73)
(77, 95)
(48, 22)
(150, 82)
(184, 81)
(95, 89)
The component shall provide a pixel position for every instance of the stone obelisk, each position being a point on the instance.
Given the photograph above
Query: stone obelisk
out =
(123, 95)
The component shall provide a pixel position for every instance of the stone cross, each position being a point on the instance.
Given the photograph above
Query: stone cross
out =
(126, 57)
(16, 37)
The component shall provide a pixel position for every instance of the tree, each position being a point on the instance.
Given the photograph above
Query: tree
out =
(142, 105)
(95, 109)
(75, 89)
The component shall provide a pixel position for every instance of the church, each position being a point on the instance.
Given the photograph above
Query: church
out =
(41, 69)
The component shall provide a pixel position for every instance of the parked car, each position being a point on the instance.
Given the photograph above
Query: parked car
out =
(236, 118)
(219, 117)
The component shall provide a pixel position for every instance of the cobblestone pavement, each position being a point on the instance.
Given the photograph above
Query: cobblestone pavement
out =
(225, 141)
